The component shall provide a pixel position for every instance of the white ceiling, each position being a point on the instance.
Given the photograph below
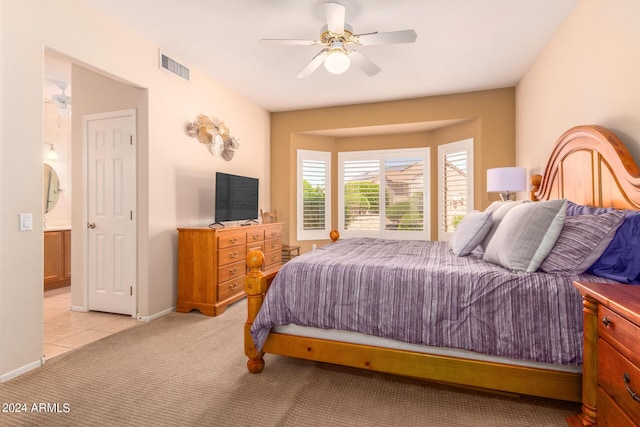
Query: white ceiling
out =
(462, 45)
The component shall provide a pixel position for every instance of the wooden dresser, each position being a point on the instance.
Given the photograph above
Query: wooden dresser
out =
(212, 263)
(57, 259)
(611, 363)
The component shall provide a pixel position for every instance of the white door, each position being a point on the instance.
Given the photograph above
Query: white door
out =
(110, 141)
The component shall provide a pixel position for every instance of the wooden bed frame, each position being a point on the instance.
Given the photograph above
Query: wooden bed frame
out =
(588, 165)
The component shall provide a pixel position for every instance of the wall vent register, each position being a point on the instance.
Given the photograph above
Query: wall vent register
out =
(173, 66)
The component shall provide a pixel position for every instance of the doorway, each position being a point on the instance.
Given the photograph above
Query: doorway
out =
(93, 92)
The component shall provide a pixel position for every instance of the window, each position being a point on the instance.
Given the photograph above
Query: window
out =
(384, 194)
(314, 195)
(455, 185)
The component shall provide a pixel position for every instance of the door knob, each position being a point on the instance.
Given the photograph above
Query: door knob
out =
(91, 225)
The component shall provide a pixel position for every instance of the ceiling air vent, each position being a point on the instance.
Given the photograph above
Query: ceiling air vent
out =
(173, 66)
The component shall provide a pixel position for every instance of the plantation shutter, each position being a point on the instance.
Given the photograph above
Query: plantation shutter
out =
(404, 198)
(455, 185)
(382, 193)
(454, 189)
(361, 194)
(313, 195)
(314, 172)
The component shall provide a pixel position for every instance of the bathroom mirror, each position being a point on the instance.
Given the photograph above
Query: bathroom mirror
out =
(50, 188)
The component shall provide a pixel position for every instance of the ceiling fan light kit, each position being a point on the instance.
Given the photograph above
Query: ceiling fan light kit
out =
(339, 40)
(337, 61)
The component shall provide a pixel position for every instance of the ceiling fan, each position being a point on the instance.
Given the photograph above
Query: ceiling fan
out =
(339, 41)
(62, 100)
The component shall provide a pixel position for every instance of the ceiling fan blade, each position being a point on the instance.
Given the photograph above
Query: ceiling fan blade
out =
(335, 17)
(364, 63)
(315, 63)
(403, 36)
(289, 42)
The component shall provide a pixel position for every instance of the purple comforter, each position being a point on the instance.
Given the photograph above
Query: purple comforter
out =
(419, 292)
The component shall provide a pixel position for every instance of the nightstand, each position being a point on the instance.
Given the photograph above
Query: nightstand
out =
(611, 358)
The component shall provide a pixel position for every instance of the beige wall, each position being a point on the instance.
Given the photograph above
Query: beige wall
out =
(178, 170)
(488, 117)
(587, 74)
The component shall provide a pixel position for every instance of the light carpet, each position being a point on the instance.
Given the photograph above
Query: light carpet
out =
(190, 370)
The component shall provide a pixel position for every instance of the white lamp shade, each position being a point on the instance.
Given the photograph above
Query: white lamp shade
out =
(337, 62)
(500, 180)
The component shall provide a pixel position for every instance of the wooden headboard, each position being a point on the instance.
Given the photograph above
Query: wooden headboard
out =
(589, 165)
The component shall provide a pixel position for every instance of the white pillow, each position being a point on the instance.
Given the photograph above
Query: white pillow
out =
(526, 235)
(470, 232)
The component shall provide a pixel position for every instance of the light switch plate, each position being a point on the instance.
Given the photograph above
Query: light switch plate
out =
(26, 222)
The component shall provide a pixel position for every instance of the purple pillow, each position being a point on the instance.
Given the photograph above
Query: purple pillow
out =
(574, 209)
(621, 260)
(582, 241)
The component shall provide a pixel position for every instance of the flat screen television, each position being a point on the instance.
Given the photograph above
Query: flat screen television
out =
(236, 197)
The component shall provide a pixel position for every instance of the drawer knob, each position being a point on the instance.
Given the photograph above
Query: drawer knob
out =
(235, 285)
(234, 271)
(606, 322)
(233, 255)
(627, 384)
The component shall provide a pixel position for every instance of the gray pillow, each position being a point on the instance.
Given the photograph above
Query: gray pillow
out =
(582, 240)
(498, 210)
(470, 232)
(526, 235)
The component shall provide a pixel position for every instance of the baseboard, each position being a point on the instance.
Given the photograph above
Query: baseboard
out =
(138, 317)
(155, 316)
(23, 369)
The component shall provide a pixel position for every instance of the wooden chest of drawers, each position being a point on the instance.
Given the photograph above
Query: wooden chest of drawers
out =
(611, 368)
(212, 266)
(57, 259)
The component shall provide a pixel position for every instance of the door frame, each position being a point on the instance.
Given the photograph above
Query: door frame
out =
(85, 197)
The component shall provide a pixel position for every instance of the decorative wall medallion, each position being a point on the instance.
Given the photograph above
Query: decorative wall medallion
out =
(215, 134)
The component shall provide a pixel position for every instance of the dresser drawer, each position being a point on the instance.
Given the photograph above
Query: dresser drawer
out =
(612, 367)
(272, 232)
(255, 236)
(231, 271)
(610, 414)
(614, 326)
(231, 288)
(255, 246)
(229, 239)
(273, 245)
(273, 257)
(231, 255)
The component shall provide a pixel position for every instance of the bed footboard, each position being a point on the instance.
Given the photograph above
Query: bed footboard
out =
(255, 286)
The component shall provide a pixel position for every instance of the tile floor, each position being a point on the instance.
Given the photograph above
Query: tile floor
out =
(65, 330)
